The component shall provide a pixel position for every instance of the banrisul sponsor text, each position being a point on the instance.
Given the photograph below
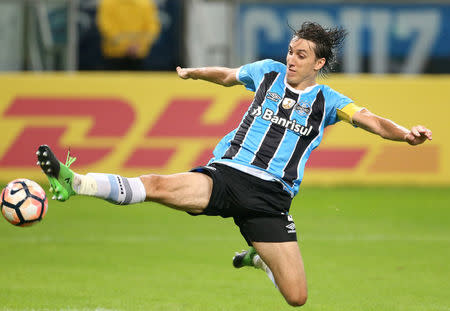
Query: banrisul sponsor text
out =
(269, 115)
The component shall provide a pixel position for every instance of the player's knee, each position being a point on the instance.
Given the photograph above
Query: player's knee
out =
(296, 299)
(155, 186)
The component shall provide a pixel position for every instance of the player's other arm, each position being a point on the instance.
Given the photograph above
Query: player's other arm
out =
(220, 75)
(388, 129)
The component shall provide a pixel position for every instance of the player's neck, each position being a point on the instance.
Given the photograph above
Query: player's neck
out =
(302, 85)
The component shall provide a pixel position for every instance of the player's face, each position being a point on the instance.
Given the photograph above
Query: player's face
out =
(301, 62)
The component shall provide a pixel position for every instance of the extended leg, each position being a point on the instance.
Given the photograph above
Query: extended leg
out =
(186, 191)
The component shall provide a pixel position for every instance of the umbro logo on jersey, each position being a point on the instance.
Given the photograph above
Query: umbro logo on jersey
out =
(291, 228)
(273, 96)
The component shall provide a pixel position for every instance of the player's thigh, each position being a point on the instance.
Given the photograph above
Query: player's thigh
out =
(285, 261)
(185, 191)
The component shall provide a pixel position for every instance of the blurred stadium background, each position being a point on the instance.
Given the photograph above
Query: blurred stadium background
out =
(395, 62)
(387, 230)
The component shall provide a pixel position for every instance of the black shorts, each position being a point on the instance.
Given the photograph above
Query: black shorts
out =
(260, 208)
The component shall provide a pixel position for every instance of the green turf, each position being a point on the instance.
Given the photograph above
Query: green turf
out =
(364, 249)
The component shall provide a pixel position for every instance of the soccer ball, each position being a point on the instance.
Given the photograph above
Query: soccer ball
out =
(23, 202)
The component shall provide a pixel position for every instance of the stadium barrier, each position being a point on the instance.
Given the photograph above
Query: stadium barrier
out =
(133, 124)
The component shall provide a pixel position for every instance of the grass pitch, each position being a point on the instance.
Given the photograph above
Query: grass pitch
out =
(364, 249)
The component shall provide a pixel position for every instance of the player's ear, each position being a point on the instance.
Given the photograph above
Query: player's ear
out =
(319, 64)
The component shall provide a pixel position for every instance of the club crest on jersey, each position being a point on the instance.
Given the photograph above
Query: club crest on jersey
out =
(273, 96)
(303, 108)
(288, 103)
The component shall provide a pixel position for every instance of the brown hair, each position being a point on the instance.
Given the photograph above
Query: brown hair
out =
(327, 41)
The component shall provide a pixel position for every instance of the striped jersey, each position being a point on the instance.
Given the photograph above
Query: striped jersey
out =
(281, 126)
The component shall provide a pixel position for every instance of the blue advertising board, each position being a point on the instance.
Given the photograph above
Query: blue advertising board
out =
(382, 38)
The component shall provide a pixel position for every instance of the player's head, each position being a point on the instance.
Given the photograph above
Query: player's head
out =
(312, 50)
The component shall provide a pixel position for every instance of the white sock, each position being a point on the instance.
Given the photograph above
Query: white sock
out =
(259, 263)
(114, 188)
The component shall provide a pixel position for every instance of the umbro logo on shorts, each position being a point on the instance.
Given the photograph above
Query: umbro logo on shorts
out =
(291, 228)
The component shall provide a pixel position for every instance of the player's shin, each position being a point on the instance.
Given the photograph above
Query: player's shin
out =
(113, 188)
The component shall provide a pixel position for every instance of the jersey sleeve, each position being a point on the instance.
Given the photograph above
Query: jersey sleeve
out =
(335, 105)
(252, 74)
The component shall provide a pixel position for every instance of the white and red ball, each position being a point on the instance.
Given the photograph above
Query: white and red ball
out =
(23, 202)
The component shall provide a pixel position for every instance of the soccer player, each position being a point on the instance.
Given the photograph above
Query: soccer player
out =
(256, 169)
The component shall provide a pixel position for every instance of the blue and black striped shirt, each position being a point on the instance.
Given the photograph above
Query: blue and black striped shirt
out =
(282, 125)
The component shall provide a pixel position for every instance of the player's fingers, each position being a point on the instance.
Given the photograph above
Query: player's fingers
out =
(421, 128)
(423, 131)
(182, 72)
(411, 139)
(415, 131)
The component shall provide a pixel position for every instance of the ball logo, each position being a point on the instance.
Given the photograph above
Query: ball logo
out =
(288, 103)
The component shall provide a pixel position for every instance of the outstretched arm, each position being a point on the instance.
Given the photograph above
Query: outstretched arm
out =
(220, 75)
(390, 130)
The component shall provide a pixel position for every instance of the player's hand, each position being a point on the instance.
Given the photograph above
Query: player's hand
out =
(185, 73)
(418, 135)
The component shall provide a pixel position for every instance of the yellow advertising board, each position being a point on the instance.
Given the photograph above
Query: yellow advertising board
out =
(133, 124)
